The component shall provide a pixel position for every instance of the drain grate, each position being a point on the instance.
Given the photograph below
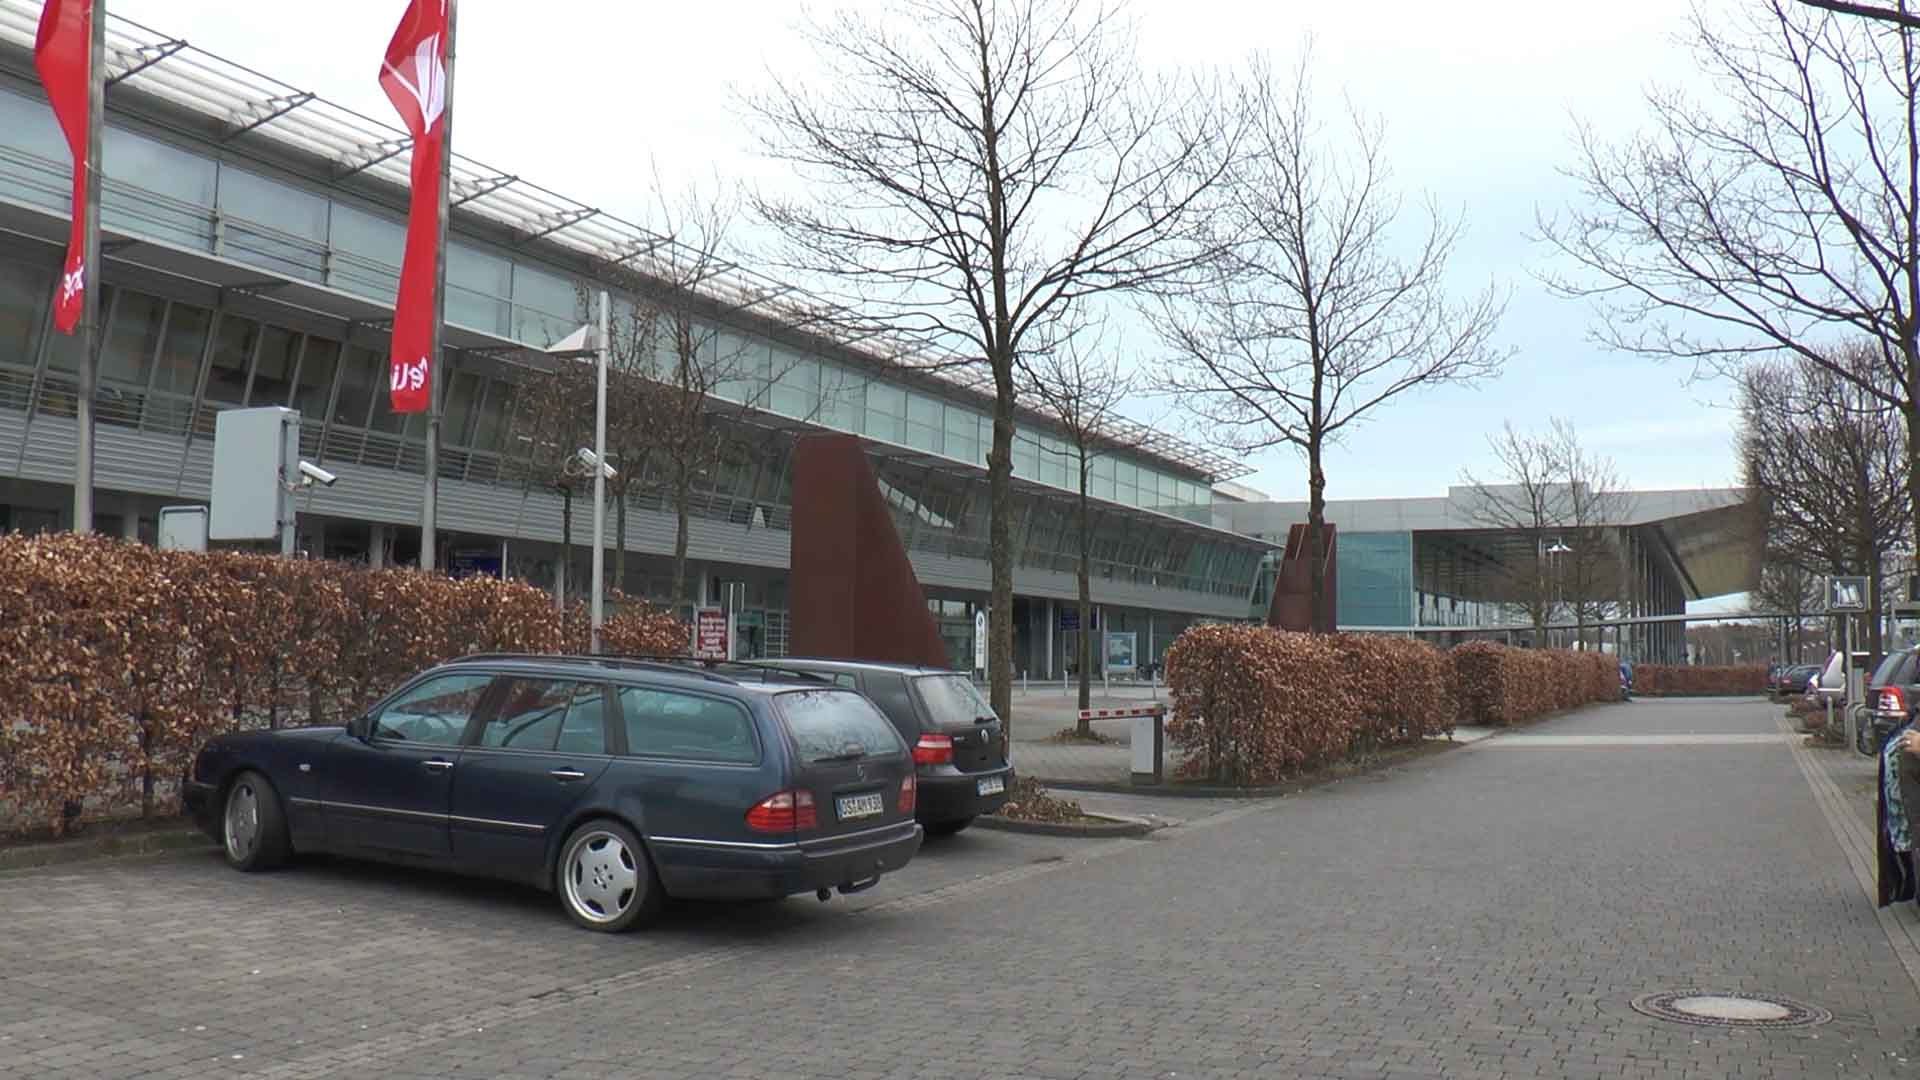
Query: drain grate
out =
(1725, 1008)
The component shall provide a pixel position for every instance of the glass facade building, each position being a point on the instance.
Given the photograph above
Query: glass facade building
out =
(241, 273)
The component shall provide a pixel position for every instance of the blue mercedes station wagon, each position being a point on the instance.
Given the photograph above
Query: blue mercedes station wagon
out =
(615, 783)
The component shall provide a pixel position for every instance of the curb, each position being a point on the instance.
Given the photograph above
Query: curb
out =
(1179, 790)
(1114, 826)
(103, 846)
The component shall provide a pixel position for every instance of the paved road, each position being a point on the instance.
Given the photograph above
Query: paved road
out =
(1486, 912)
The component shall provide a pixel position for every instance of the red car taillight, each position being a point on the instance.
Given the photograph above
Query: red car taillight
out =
(909, 794)
(933, 749)
(1893, 700)
(784, 812)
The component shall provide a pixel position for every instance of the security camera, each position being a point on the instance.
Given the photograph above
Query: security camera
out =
(311, 474)
(588, 459)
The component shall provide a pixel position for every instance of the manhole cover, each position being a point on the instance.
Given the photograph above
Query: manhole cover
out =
(1711, 1008)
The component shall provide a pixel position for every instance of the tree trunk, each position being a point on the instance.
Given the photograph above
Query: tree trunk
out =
(1086, 602)
(1910, 411)
(566, 545)
(1316, 539)
(1000, 543)
(681, 484)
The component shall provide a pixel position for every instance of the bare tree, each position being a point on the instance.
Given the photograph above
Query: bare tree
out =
(983, 167)
(1083, 390)
(553, 418)
(1319, 310)
(1782, 219)
(1790, 589)
(678, 368)
(1830, 457)
(1530, 499)
(1900, 17)
(1592, 581)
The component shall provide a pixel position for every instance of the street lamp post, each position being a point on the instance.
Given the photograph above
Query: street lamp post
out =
(574, 346)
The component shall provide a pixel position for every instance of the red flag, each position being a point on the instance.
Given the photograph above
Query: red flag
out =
(63, 55)
(415, 79)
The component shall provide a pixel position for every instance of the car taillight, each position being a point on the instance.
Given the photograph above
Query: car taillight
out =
(909, 794)
(1893, 700)
(933, 749)
(783, 812)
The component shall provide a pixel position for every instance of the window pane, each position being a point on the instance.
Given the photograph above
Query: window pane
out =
(317, 366)
(180, 350)
(273, 374)
(63, 350)
(530, 714)
(478, 284)
(546, 306)
(585, 729)
(459, 407)
(232, 353)
(435, 713)
(661, 723)
(359, 378)
(24, 294)
(131, 341)
(494, 410)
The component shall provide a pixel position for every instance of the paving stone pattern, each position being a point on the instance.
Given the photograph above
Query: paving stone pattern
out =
(1476, 914)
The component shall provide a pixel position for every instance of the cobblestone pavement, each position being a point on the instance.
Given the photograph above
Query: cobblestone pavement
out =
(1486, 912)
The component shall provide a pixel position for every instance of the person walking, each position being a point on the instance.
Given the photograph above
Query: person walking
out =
(1896, 801)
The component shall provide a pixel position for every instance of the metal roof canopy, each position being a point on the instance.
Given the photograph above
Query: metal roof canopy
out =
(250, 101)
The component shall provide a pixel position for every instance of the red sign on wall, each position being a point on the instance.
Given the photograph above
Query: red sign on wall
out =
(710, 634)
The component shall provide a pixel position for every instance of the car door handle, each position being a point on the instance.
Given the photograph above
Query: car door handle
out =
(567, 776)
(437, 764)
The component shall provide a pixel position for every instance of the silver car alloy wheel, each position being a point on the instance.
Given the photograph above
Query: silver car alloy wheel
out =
(602, 878)
(243, 821)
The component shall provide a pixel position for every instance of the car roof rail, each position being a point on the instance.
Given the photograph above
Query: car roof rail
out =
(636, 663)
(765, 671)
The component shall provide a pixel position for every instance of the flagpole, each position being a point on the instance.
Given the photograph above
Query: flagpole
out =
(429, 512)
(90, 268)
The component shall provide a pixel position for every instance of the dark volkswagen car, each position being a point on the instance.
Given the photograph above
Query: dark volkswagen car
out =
(1893, 694)
(958, 743)
(614, 783)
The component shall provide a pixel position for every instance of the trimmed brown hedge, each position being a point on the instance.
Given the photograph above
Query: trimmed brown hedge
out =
(120, 660)
(1499, 686)
(1667, 679)
(1251, 705)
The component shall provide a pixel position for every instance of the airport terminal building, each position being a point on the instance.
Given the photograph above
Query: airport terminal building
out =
(1435, 568)
(252, 236)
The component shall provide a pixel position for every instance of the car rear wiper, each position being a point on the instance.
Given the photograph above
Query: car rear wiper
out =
(854, 754)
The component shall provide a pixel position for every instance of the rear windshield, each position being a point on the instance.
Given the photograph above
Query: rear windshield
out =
(837, 725)
(952, 699)
(1885, 673)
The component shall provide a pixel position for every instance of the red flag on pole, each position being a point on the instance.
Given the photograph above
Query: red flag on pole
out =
(414, 77)
(63, 55)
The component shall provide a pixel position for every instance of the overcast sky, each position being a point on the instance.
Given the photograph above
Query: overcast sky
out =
(1479, 100)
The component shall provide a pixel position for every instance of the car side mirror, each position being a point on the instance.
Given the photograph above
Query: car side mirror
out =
(360, 727)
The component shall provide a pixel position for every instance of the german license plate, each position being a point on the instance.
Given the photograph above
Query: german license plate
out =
(992, 785)
(859, 806)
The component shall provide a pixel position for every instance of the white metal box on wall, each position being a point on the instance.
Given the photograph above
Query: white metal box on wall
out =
(255, 453)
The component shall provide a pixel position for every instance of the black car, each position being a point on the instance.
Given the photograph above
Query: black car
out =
(1893, 693)
(1794, 680)
(958, 743)
(615, 783)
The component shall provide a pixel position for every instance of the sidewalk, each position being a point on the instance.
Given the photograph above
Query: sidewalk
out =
(1040, 714)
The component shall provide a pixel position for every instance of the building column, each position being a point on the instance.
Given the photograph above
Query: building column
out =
(130, 519)
(377, 546)
(1052, 618)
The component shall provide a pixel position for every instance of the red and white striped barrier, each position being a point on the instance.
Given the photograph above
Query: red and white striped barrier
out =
(1123, 714)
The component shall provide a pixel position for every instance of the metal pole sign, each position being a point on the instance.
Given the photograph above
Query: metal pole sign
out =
(980, 641)
(1846, 594)
(710, 633)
